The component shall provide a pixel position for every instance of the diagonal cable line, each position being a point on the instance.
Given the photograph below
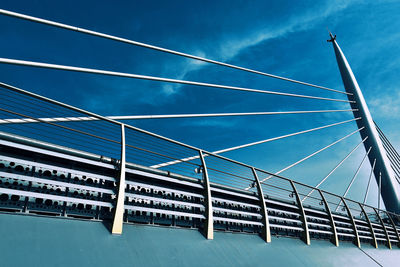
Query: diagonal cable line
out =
(386, 140)
(369, 181)
(334, 169)
(309, 156)
(140, 117)
(254, 143)
(169, 51)
(154, 78)
(354, 178)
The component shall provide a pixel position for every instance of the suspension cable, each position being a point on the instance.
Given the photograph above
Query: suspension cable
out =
(139, 117)
(354, 177)
(131, 42)
(334, 169)
(369, 181)
(386, 140)
(254, 143)
(309, 156)
(154, 78)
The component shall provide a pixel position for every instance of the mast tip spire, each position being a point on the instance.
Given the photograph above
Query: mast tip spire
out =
(333, 37)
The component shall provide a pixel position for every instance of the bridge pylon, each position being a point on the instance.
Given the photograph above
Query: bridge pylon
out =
(390, 189)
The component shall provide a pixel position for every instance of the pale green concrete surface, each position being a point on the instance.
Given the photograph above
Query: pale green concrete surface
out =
(43, 241)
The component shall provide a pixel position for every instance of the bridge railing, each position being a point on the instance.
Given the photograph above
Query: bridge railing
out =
(57, 162)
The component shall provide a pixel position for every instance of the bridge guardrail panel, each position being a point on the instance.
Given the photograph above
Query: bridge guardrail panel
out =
(371, 228)
(283, 212)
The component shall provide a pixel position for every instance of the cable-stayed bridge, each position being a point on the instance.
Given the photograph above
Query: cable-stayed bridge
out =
(61, 161)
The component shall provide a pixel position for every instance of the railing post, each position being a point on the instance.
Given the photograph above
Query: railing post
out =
(389, 245)
(306, 234)
(209, 221)
(357, 240)
(335, 238)
(266, 231)
(371, 228)
(119, 207)
(394, 228)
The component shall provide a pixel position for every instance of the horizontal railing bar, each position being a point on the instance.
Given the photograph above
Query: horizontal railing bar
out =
(315, 211)
(167, 212)
(55, 197)
(283, 211)
(164, 189)
(237, 221)
(156, 199)
(363, 232)
(232, 193)
(362, 227)
(319, 231)
(234, 202)
(286, 227)
(345, 234)
(73, 157)
(270, 201)
(340, 217)
(163, 178)
(52, 182)
(317, 218)
(57, 168)
(284, 219)
(365, 237)
(360, 221)
(342, 223)
(319, 224)
(344, 229)
(236, 212)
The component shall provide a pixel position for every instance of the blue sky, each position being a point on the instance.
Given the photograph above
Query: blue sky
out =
(286, 38)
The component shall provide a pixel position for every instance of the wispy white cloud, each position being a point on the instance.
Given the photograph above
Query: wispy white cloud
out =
(229, 47)
(387, 105)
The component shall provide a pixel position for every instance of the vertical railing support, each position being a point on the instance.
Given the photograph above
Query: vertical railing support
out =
(209, 221)
(119, 207)
(306, 234)
(357, 239)
(371, 228)
(266, 231)
(335, 238)
(389, 245)
(394, 228)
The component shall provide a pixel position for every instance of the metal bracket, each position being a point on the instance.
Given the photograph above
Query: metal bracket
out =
(266, 231)
(389, 245)
(357, 239)
(306, 234)
(209, 221)
(371, 228)
(335, 238)
(119, 207)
